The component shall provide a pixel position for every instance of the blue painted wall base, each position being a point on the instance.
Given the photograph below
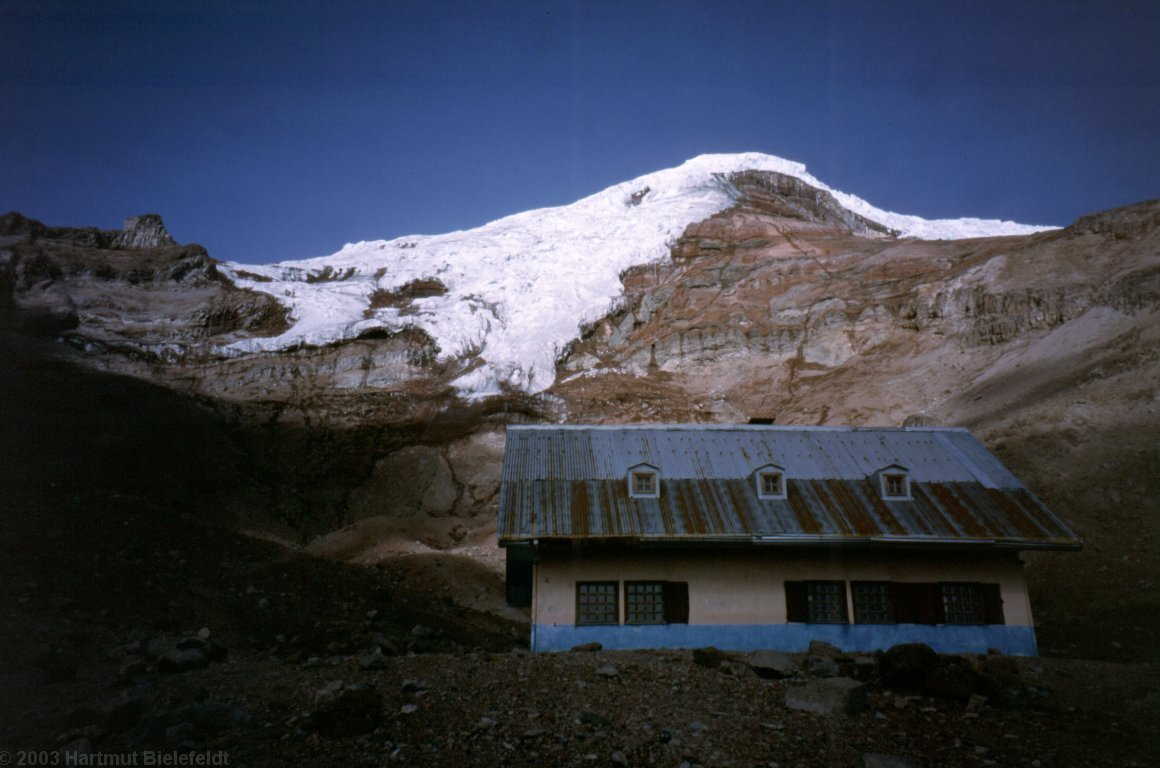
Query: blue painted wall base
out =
(1017, 641)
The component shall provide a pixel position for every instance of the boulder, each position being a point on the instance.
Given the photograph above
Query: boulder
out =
(874, 760)
(198, 721)
(184, 652)
(373, 659)
(110, 715)
(587, 717)
(413, 482)
(709, 656)
(587, 648)
(476, 463)
(820, 648)
(772, 665)
(821, 666)
(75, 750)
(953, 677)
(182, 660)
(906, 665)
(212, 717)
(356, 710)
(828, 696)
(999, 678)
(864, 668)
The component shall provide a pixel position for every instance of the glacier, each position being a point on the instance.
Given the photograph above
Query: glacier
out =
(520, 288)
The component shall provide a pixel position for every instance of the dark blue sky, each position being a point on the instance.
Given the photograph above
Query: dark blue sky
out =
(284, 129)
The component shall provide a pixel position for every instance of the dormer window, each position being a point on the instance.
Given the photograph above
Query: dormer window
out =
(895, 482)
(770, 482)
(644, 482)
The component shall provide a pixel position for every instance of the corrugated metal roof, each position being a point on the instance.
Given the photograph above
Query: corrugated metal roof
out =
(570, 482)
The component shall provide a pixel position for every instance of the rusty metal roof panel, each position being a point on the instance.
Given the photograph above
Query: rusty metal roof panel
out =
(571, 483)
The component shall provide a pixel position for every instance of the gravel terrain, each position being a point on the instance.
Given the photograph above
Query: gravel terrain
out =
(132, 633)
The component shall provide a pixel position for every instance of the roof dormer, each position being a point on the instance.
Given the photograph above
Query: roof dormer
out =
(770, 481)
(894, 483)
(644, 482)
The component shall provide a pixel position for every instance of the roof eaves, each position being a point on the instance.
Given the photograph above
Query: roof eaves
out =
(806, 540)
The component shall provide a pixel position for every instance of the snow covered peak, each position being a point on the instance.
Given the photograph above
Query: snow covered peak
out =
(519, 288)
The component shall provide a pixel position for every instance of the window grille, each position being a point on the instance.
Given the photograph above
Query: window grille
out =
(826, 602)
(872, 602)
(889, 602)
(644, 602)
(962, 604)
(643, 483)
(894, 485)
(772, 484)
(597, 603)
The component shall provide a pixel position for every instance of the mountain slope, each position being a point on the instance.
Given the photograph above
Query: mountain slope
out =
(512, 293)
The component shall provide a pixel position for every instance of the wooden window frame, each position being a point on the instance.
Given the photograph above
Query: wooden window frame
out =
(580, 612)
(925, 603)
(910, 603)
(870, 591)
(762, 476)
(950, 592)
(654, 479)
(674, 603)
(801, 607)
(903, 480)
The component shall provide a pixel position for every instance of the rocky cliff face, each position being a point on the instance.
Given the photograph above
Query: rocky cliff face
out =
(144, 231)
(766, 304)
(785, 306)
(136, 291)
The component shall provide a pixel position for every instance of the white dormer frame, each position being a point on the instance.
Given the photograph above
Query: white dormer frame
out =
(894, 483)
(770, 482)
(644, 482)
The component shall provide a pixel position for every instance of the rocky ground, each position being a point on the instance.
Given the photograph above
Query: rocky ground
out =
(129, 635)
(678, 708)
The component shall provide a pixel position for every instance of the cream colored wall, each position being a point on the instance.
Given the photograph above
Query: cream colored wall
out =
(747, 586)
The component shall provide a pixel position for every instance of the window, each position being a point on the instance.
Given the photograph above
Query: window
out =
(894, 485)
(962, 604)
(656, 602)
(889, 602)
(872, 602)
(597, 602)
(944, 603)
(816, 602)
(644, 482)
(644, 602)
(770, 484)
(827, 602)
